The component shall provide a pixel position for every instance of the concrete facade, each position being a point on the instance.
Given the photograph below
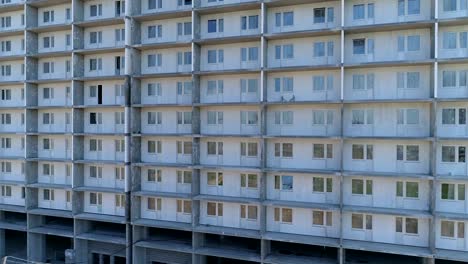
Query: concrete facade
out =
(234, 131)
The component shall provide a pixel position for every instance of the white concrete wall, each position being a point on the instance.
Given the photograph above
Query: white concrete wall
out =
(15, 198)
(60, 173)
(385, 157)
(386, 12)
(303, 189)
(108, 179)
(16, 149)
(108, 124)
(166, 7)
(59, 202)
(16, 173)
(15, 20)
(169, 30)
(169, 93)
(104, 154)
(108, 37)
(230, 218)
(455, 205)
(231, 185)
(232, 89)
(303, 83)
(62, 147)
(108, 9)
(16, 96)
(303, 46)
(59, 14)
(303, 120)
(451, 243)
(110, 94)
(231, 121)
(168, 211)
(16, 46)
(303, 155)
(62, 94)
(386, 83)
(304, 17)
(302, 224)
(108, 205)
(169, 123)
(384, 193)
(168, 61)
(386, 120)
(16, 71)
(232, 57)
(383, 231)
(232, 24)
(16, 121)
(168, 151)
(59, 69)
(108, 65)
(457, 91)
(458, 51)
(60, 121)
(451, 130)
(168, 181)
(231, 153)
(386, 46)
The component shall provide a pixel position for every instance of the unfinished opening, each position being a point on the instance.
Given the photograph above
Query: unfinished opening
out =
(218, 260)
(14, 218)
(301, 250)
(55, 248)
(172, 236)
(110, 229)
(357, 256)
(59, 223)
(445, 261)
(16, 245)
(234, 243)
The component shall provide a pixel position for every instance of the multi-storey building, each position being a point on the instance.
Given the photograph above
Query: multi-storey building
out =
(234, 131)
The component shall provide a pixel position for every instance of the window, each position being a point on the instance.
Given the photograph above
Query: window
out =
(452, 191)
(154, 89)
(249, 22)
(47, 144)
(411, 153)
(5, 167)
(284, 183)
(48, 169)
(184, 88)
(249, 117)
(407, 189)
(284, 150)
(153, 4)
(249, 181)
(119, 145)
(48, 194)
(95, 198)
(284, 19)
(119, 173)
(154, 204)
(6, 70)
(153, 175)
(95, 37)
(249, 212)
(322, 117)
(95, 172)
(48, 42)
(184, 29)
(214, 148)
(215, 25)
(95, 118)
(95, 145)
(119, 118)
(450, 154)
(184, 118)
(119, 200)
(154, 118)
(408, 116)
(154, 60)
(249, 149)
(215, 56)
(215, 87)
(249, 86)
(449, 40)
(184, 147)
(408, 7)
(95, 64)
(362, 117)
(319, 15)
(322, 151)
(321, 184)
(154, 147)
(48, 67)
(215, 118)
(48, 16)
(184, 177)
(448, 229)
(284, 118)
(6, 191)
(249, 54)
(321, 218)
(6, 119)
(406, 225)
(184, 58)
(363, 81)
(449, 5)
(359, 46)
(5, 94)
(285, 84)
(361, 187)
(6, 143)
(154, 31)
(214, 178)
(95, 10)
(184, 206)
(214, 209)
(358, 11)
(361, 221)
(283, 215)
(285, 51)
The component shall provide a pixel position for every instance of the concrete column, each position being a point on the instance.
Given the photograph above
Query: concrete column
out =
(36, 247)
(341, 256)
